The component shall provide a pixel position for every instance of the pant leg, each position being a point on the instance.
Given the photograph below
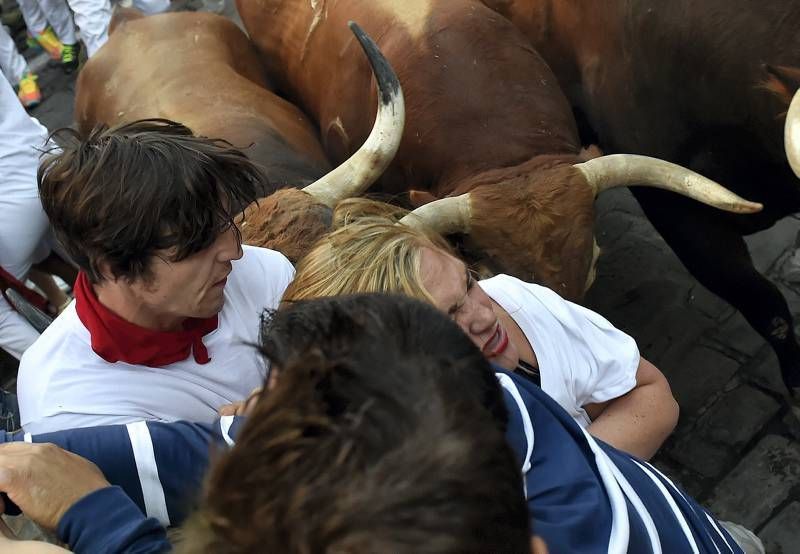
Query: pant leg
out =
(60, 18)
(745, 538)
(16, 334)
(149, 7)
(92, 18)
(12, 64)
(34, 16)
(24, 228)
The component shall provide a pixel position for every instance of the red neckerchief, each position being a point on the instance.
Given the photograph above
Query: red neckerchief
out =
(115, 339)
(9, 281)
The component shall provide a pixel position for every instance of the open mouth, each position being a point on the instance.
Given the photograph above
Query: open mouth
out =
(221, 282)
(497, 343)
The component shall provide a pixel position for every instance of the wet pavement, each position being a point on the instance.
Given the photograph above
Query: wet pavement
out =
(736, 447)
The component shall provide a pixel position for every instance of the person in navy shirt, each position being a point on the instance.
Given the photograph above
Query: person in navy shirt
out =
(371, 355)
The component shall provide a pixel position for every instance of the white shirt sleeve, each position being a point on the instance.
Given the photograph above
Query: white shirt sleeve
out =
(269, 269)
(611, 356)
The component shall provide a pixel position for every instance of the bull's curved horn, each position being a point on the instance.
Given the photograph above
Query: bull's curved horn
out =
(623, 170)
(445, 216)
(792, 134)
(359, 171)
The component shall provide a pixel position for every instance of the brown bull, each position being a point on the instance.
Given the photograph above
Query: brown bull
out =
(703, 84)
(485, 115)
(205, 74)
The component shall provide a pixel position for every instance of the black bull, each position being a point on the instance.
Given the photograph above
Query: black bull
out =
(702, 84)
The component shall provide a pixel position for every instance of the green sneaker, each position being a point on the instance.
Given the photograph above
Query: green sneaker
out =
(69, 57)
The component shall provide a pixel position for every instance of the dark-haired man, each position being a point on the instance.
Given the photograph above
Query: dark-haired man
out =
(167, 302)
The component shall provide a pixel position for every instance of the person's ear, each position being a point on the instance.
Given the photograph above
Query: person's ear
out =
(538, 546)
(104, 269)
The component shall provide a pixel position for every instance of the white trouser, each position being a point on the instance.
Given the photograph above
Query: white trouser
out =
(92, 18)
(12, 64)
(24, 228)
(744, 537)
(16, 334)
(149, 7)
(37, 13)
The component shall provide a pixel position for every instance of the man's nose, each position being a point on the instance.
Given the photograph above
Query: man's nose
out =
(231, 248)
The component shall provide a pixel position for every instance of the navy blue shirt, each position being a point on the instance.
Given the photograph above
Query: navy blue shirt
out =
(583, 495)
(586, 496)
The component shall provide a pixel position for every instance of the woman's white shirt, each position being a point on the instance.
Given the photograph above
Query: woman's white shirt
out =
(582, 358)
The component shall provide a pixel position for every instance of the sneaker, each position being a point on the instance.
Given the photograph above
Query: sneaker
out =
(69, 57)
(28, 91)
(31, 43)
(50, 43)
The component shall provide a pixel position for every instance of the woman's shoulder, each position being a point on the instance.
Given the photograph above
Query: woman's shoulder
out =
(504, 287)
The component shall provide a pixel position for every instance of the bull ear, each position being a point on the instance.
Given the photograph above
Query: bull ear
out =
(589, 153)
(782, 81)
(420, 198)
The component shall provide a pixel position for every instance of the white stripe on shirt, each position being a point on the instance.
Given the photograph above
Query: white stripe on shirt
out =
(620, 525)
(677, 490)
(507, 383)
(153, 493)
(719, 532)
(674, 507)
(638, 505)
(27, 437)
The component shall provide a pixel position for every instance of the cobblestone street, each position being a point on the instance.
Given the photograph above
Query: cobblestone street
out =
(736, 447)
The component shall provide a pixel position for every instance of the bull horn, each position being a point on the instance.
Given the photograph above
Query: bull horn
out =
(359, 171)
(792, 134)
(445, 216)
(622, 170)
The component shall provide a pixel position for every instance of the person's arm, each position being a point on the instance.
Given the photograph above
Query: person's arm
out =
(159, 465)
(106, 520)
(639, 421)
(59, 490)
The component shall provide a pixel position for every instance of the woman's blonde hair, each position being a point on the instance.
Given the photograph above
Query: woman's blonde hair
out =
(367, 252)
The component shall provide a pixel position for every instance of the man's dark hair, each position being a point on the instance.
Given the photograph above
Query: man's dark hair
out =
(122, 194)
(378, 437)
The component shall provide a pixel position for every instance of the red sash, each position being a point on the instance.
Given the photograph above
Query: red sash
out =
(115, 339)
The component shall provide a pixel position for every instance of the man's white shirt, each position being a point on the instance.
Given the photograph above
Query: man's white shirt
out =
(64, 384)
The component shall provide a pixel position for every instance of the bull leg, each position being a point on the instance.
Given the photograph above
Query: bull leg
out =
(717, 256)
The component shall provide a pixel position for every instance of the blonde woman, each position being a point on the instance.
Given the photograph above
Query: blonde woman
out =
(592, 369)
